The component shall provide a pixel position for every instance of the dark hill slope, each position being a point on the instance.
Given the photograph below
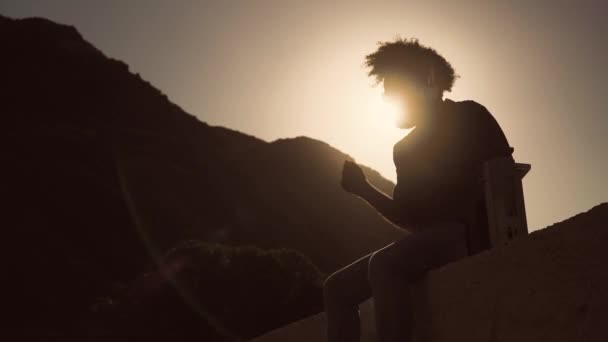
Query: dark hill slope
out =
(76, 122)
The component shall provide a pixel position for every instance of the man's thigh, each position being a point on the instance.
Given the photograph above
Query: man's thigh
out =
(351, 283)
(431, 247)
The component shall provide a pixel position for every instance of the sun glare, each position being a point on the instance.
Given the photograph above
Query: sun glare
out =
(382, 112)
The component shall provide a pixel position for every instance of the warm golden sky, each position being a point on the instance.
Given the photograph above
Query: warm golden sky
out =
(278, 69)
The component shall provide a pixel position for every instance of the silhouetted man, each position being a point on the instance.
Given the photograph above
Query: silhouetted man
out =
(437, 196)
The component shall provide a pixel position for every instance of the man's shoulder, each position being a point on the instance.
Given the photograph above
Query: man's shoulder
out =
(481, 125)
(468, 107)
(471, 114)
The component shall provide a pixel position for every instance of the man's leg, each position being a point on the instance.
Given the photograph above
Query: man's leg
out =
(394, 268)
(343, 291)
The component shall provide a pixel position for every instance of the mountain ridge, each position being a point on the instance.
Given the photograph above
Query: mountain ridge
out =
(105, 175)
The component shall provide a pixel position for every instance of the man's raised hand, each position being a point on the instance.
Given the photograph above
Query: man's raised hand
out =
(353, 178)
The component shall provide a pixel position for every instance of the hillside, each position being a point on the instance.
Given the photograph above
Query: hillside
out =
(104, 175)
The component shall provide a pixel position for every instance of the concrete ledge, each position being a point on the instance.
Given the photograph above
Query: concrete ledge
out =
(549, 286)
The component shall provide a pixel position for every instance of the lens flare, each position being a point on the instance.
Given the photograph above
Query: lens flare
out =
(385, 112)
(396, 110)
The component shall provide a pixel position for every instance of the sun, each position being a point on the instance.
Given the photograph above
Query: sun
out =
(382, 112)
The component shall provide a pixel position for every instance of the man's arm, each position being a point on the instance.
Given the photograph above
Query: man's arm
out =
(354, 181)
(383, 204)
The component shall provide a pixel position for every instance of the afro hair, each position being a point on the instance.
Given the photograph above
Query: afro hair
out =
(409, 57)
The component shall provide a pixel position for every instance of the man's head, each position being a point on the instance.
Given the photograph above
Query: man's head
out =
(413, 75)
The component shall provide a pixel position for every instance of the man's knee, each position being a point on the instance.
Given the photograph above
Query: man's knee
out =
(333, 288)
(401, 263)
(381, 268)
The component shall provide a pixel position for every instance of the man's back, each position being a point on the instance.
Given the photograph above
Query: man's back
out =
(439, 166)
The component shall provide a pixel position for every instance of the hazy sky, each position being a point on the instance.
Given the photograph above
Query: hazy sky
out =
(278, 69)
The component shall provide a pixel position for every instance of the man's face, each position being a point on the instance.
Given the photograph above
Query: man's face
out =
(413, 99)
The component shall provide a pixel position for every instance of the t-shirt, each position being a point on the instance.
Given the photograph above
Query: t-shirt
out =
(439, 166)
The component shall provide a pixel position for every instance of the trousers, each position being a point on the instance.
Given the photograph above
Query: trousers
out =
(386, 275)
